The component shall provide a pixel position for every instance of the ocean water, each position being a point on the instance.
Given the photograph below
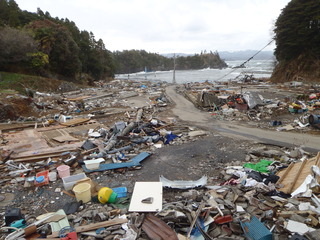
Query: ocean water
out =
(256, 68)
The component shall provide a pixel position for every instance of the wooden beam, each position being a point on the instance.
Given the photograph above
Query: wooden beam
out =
(94, 226)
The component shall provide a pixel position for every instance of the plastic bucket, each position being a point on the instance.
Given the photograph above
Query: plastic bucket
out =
(63, 171)
(83, 192)
(104, 194)
(52, 176)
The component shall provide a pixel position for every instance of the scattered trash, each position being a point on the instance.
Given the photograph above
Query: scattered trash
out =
(88, 136)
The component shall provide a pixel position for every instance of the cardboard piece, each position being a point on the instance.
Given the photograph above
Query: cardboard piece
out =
(293, 176)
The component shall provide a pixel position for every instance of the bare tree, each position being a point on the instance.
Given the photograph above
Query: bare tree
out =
(15, 44)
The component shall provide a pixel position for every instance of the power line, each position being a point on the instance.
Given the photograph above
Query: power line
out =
(241, 65)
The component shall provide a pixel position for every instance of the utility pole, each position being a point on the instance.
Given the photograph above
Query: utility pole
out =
(145, 72)
(174, 69)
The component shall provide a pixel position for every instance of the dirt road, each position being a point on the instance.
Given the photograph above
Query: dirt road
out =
(186, 111)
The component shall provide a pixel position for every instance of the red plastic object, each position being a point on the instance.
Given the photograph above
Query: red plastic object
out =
(223, 219)
(46, 178)
(70, 236)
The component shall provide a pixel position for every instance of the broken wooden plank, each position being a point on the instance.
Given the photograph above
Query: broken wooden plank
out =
(40, 157)
(65, 138)
(17, 126)
(75, 121)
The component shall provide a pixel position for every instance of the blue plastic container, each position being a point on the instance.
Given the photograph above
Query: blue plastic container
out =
(121, 191)
(40, 179)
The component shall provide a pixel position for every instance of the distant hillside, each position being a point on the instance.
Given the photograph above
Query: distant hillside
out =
(170, 55)
(244, 55)
(130, 61)
(230, 56)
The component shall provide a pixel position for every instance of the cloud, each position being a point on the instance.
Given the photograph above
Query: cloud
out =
(170, 25)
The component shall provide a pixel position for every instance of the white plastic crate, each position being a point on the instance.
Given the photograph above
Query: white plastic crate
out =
(69, 182)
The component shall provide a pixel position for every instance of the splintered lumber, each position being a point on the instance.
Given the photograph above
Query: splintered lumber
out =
(94, 226)
(294, 175)
(40, 156)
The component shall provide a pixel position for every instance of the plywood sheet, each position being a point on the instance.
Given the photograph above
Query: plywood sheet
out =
(143, 190)
(77, 132)
(21, 141)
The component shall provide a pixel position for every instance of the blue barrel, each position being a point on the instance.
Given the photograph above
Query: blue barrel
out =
(314, 119)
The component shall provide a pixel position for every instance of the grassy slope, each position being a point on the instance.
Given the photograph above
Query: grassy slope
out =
(19, 82)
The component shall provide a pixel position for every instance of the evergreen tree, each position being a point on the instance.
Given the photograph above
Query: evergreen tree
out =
(297, 36)
(297, 30)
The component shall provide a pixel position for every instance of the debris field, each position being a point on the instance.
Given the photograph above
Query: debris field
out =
(113, 162)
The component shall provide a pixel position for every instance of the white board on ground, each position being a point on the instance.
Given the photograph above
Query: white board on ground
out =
(144, 190)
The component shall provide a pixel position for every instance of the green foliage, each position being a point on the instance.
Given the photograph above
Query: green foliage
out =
(71, 53)
(297, 35)
(38, 60)
(56, 41)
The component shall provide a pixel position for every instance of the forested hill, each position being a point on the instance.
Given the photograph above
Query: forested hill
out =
(130, 61)
(39, 44)
(36, 43)
(297, 35)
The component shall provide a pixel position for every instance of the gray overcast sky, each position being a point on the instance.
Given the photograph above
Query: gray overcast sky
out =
(167, 26)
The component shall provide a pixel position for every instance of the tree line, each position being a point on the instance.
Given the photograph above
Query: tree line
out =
(130, 61)
(36, 43)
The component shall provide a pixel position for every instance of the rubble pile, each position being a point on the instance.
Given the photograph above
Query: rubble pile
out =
(254, 199)
(53, 171)
(282, 109)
